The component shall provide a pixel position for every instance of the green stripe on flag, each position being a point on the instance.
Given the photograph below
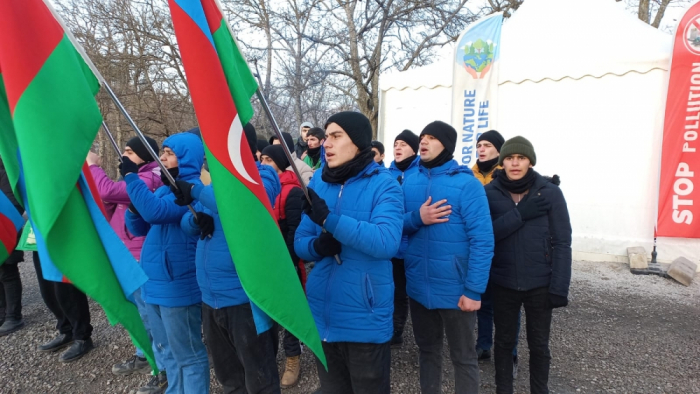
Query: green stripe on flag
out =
(241, 82)
(268, 277)
(56, 117)
(8, 142)
(56, 120)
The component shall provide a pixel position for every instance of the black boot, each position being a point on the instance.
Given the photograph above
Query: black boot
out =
(78, 349)
(58, 343)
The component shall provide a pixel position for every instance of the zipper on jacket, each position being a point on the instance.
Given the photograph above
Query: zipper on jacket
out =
(206, 274)
(328, 303)
(330, 280)
(427, 245)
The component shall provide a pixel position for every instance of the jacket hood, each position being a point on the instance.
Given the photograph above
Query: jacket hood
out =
(289, 178)
(190, 154)
(449, 168)
(150, 167)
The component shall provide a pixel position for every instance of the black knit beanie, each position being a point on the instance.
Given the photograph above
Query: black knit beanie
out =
(494, 137)
(276, 153)
(140, 149)
(379, 146)
(262, 144)
(517, 145)
(252, 138)
(445, 133)
(410, 138)
(356, 125)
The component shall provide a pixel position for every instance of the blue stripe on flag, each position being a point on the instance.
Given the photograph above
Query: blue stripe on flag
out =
(194, 9)
(127, 270)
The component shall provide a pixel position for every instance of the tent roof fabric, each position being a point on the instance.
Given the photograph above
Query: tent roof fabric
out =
(542, 41)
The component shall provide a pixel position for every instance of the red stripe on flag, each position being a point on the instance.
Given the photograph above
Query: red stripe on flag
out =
(214, 17)
(93, 189)
(212, 99)
(29, 35)
(8, 234)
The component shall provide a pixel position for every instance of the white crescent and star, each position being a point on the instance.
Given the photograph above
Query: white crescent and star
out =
(235, 134)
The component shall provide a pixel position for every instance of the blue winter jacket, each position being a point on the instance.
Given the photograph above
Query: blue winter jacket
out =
(401, 176)
(168, 253)
(447, 260)
(354, 301)
(216, 271)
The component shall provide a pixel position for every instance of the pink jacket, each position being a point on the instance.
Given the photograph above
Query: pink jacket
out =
(114, 195)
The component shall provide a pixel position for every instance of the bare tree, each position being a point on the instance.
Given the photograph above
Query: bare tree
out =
(653, 11)
(133, 46)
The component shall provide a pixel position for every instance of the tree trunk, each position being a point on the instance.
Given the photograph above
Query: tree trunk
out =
(643, 12)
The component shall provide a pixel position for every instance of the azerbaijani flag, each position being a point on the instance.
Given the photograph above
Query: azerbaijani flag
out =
(221, 87)
(48, 121)
(11, 223)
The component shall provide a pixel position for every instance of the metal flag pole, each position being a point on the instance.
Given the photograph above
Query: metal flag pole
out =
(111, 138)
(285, 148)
(142, 137)
(113, 96)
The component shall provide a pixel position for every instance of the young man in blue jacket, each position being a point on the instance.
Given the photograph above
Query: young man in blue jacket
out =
(405, 163)
(450, 245)
(243, 360)
(355, 214)
(172, 296)
(531, 262)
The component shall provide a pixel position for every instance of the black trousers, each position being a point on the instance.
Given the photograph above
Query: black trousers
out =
(11, 288)
(356, 368)
(400, 296)
(538, 321)
(430, 326)
(67, 303)
(244, 362)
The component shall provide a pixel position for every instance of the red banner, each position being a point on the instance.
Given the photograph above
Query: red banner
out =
(679, 198)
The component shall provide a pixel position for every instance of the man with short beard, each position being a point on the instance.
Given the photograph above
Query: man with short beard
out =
(314, 138)
(354, 214)
(450, 245)
(300, 147)
(532, 261)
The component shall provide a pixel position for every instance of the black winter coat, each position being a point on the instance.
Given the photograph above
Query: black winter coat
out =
(535, 253)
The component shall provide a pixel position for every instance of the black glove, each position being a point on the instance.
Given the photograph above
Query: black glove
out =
(183, 193)
(133, 209)
(533, 207)
(327, 245)
(127, 166)
(205, 224)
(557, 301)
(317, 211)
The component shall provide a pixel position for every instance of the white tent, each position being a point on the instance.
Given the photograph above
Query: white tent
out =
(584, 81)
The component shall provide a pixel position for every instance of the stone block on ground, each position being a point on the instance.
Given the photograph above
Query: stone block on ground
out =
(638, 258)
(683, 270)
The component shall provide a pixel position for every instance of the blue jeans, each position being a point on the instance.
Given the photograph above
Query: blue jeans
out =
(177, 332)
(144, 317)
(484, 318)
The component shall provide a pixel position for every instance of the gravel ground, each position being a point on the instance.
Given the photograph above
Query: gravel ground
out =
(620, 334)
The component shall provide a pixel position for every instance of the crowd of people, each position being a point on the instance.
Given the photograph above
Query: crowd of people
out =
(451, 245)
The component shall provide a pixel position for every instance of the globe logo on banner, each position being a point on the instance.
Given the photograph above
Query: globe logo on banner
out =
(476, 56)
(475, 84)
(692, 35)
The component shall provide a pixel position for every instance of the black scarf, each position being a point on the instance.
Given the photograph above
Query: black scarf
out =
(314, 154)
(441, 159)
(405, 163)
(521, 185)
(175, 171)
(486, 166)
(342, 173)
